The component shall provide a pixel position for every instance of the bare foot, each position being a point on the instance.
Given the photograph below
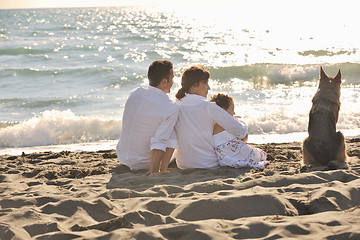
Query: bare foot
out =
(153, 174)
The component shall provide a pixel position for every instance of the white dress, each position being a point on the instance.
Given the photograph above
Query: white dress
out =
(233, 152)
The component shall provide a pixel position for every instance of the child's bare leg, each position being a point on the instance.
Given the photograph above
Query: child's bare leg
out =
(245, 139)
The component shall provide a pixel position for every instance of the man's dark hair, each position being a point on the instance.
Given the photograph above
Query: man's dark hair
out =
(159, 70)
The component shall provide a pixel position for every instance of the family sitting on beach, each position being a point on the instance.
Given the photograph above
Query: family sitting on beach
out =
(205, 133)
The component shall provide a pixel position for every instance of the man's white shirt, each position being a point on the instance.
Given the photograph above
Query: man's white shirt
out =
(148, 121)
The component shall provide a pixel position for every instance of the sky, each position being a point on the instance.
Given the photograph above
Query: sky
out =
(8, 4)
(19, 4)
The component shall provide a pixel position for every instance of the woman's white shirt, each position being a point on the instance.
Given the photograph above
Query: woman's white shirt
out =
(194, 130)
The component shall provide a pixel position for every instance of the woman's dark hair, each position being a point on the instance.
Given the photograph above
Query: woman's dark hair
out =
(192, 76)
(159, 70)
(222, 100)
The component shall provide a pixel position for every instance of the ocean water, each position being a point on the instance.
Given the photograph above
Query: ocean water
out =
(65, 74)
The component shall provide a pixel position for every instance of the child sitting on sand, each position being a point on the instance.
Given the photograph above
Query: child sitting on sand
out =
(231, 150)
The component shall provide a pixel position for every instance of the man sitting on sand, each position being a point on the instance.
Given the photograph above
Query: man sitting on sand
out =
(148, 121)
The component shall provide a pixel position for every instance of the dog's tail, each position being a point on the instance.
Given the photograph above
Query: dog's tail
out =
(336, 164)
(340, 163)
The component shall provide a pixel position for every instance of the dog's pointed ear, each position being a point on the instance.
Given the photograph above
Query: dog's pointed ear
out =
(322, 73)
(338, 77)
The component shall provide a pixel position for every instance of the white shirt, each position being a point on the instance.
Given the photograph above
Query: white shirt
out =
(194, 130)
(148, 121)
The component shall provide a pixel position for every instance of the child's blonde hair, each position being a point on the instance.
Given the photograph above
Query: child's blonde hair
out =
(222, 100)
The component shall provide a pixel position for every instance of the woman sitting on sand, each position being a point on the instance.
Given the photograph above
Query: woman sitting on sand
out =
(194, 126)
(231, 150)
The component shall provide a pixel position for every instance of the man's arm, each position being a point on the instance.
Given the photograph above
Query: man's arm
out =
(158, 143)
(166, 159)
(159, 160)
(164, 131)
(155, 158)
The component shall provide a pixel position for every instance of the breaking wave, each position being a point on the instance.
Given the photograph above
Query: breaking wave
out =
(59, 127)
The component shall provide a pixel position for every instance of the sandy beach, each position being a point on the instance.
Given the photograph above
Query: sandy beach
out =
(88, 195)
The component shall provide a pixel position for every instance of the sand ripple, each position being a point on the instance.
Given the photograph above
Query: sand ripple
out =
(88, 195)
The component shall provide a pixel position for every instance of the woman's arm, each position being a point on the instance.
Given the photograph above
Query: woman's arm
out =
(226, 121)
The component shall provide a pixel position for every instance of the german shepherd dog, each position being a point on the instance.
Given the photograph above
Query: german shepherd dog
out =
(325, 147)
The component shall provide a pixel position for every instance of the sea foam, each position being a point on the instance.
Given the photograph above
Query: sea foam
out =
(59, 127)
(66, 128)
